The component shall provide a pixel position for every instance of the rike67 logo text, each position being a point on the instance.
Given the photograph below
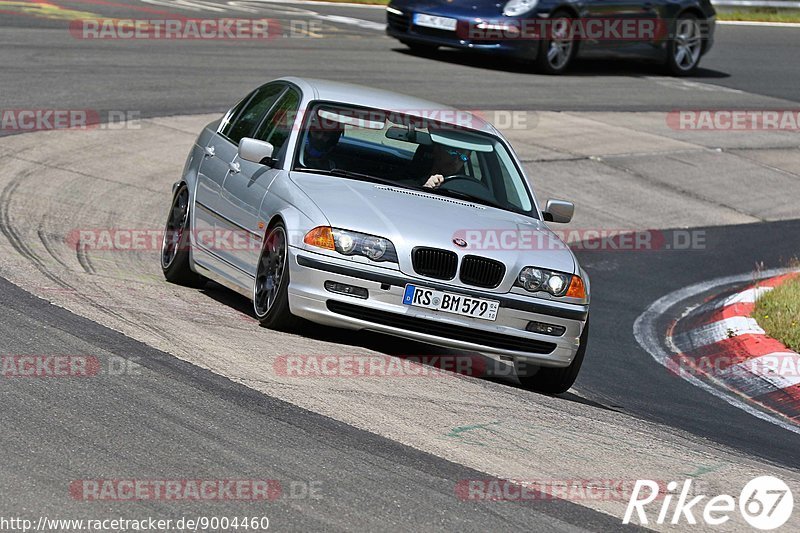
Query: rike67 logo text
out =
(765, 503)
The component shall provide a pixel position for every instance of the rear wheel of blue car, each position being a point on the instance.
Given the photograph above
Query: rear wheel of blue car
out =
(175, 259)
(686, 47)
(550, 380)
(271, 288)
(558, 46)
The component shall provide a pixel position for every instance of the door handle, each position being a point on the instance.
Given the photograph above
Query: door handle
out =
(210, 150)
(235, 168)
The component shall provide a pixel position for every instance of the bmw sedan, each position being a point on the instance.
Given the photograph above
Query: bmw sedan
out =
(551, 33)
(369, 210)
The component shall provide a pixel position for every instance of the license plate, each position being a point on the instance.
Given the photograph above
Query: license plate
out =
(457, 304)
(432, 21)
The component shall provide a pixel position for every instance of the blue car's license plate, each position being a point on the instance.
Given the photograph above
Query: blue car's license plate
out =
(457, 304)
(432, 21)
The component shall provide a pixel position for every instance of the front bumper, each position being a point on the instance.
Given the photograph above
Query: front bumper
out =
(383, 311)
(400, 27)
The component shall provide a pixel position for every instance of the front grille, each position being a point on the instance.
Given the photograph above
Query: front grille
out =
(439, 329)
(434, 263)
(398, 22)
(481, 272)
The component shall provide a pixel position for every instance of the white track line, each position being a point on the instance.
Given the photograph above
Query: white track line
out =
(758, 23)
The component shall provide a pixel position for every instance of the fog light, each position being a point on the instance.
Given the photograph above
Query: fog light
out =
(545, 329)
(348, 290)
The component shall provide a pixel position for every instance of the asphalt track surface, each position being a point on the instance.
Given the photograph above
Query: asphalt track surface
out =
(749, 67)
(177, 417)
(167, 416)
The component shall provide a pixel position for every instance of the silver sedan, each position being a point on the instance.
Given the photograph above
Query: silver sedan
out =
(366, 209)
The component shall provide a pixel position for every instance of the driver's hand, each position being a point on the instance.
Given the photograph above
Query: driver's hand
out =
(434, 181)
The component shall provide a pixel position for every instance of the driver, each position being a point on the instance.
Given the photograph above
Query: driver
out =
(321, 139)
(445, 161)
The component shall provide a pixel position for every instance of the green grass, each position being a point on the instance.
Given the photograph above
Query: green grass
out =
(778, 312)
(762, 14)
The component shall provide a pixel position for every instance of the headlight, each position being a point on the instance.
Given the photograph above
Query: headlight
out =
(534, 279)
(348, 242)
(518, 7)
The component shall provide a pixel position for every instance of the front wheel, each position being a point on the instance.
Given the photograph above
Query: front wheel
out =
(551, 380)
(686, 47)
(175, 245)
(557, 48)
(271, 288)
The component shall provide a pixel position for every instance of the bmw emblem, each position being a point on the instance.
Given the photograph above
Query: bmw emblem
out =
(460, 243)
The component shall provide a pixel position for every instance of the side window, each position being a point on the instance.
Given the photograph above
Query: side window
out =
(244, 124)
(227, 121)
(275, 129)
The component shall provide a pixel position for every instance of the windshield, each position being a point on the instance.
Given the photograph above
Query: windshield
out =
(411, 152)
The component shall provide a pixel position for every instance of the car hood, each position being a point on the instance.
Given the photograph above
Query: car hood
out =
(412, 218)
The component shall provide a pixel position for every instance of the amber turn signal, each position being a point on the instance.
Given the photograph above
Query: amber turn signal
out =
(321, 237)
(576, 288)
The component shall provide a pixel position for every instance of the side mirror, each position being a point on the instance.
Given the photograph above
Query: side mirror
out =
(256, 151)
(558, 211)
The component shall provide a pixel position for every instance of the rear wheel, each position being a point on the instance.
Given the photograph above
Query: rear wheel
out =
(551, 380)
(686, 47)
(175, 259)
(271, 289)
(558, 46)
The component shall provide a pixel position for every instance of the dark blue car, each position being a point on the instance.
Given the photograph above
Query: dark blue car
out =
(551, 33)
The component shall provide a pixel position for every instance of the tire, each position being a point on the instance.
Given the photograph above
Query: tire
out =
(551, 380)
(555, 55)
(175, 245)
(271, 287)
(685, 49)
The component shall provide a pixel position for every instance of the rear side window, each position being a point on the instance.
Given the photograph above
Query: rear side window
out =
(251, 111)
(278, 125)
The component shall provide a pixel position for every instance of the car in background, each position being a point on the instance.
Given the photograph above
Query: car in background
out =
(323, 184)
(551, 33)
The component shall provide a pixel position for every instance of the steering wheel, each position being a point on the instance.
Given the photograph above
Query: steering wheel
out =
(465, 184)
